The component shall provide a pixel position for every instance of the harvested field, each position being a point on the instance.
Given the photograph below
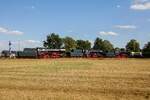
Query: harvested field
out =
(75, 79)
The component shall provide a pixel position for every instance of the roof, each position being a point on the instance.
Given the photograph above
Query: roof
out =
(47, 49)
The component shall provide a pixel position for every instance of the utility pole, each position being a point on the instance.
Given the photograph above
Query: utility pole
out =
(19, 45)
(10, 48)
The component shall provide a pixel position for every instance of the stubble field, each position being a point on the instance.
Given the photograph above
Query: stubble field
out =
(75, 79)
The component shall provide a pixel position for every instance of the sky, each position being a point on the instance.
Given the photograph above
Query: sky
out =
(26, 23)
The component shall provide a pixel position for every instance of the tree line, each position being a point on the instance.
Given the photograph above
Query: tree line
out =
(54, 41)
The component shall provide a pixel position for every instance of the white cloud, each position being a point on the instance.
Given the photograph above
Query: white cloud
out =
(33, 7)
(29, 44)
(70, 31)
(3, 45)
(108, 33)
(140, 1)
(3, 30)
(32, 41)
(141, 5)
(126, 26)
(10, 32)
(30, 7)
(118, 6)
(92, 42)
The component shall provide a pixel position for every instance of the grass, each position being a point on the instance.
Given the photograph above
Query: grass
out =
(75, 79)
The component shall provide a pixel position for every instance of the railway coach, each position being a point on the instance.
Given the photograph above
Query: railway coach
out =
(40, 53)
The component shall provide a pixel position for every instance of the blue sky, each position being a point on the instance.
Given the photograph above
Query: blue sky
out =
(27, 22)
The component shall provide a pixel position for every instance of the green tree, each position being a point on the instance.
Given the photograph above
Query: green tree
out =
(98, 44)
(147, 47)
(84, 45)
(122, 49)
(53, 41)
(107, 46)
(146, 50)
(133, 46)
(69, 43)
(117, 49)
